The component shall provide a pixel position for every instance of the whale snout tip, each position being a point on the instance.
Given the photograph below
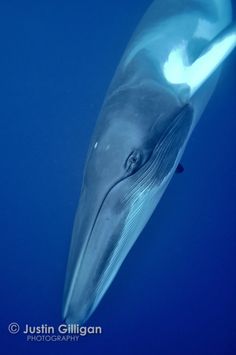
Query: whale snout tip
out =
(72, 319)
(75, 315)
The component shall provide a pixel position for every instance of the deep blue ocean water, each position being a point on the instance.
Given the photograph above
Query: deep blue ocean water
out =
(176, 292)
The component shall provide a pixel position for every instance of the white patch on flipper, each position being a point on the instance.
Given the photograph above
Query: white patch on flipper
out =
(174, 68)
(178, 71)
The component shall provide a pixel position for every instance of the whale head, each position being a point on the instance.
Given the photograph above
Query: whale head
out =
(132, 156)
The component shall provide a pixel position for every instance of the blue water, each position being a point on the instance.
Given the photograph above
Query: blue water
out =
(176, 292)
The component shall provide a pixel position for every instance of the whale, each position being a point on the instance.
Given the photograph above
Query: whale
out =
(159, 91)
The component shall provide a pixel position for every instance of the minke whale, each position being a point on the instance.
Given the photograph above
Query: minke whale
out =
(159, 91)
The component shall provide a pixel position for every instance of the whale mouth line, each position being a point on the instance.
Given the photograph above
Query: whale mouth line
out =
(80, 259)
(167, 138)
(176, 119)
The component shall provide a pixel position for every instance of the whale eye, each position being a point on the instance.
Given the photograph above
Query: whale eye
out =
(133, 162)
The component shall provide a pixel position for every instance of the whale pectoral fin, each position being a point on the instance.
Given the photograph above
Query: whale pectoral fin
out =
(211, 58)
(177, 70)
